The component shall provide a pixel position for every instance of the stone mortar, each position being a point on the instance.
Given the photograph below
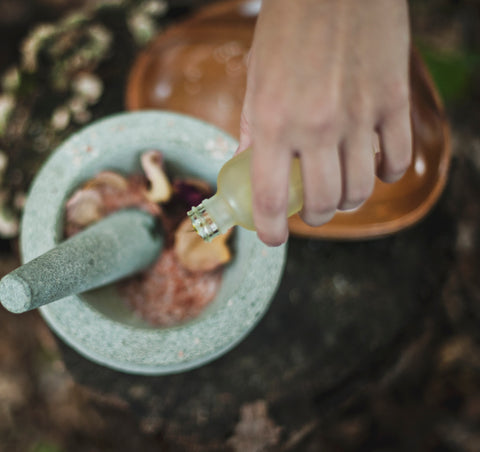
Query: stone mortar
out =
(98, 324)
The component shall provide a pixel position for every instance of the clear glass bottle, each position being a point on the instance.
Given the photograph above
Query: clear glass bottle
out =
(232, 204)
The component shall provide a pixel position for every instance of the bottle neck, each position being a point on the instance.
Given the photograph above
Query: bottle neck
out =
(212, 217)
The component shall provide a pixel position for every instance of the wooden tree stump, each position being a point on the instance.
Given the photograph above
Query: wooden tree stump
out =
(368, 344)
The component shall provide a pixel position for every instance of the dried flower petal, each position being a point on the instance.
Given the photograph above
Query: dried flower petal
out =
(84, 207)
(191, 191)
(160, 187)
(109, 179)
(195, 254)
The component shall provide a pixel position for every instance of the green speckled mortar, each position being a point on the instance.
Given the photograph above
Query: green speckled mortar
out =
(98, 324)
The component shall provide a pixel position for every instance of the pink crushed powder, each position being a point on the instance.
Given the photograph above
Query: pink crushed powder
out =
(167, 294)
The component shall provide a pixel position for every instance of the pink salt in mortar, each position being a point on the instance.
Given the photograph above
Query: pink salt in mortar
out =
(168, 294)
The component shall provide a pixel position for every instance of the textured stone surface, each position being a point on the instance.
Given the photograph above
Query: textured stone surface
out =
(120, 245)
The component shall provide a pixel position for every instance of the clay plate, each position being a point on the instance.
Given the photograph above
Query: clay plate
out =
(198, 67)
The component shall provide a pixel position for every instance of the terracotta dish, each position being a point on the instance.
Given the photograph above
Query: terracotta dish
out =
(198, 67)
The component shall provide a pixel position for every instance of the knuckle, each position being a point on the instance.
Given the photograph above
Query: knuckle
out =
(270, 205)
(326, 126)
(319, 115)
(270, 113)
(397, 98)
(323, 119)
(270, 124)
(359, 111)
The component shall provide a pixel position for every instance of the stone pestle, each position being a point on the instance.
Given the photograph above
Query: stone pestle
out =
(122, 244)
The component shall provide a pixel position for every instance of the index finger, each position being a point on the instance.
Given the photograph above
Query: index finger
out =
(270, 178)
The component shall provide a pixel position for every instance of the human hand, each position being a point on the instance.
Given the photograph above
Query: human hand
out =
(324, 78)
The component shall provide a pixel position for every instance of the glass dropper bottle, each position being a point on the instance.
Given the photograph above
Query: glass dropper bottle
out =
(232, 204)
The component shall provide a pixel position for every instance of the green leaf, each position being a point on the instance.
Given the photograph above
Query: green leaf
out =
(452, 71)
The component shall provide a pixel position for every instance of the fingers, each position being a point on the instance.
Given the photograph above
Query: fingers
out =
(357, 156)
(396, 146)
(270, 180)
(322, 188)
(336, 177)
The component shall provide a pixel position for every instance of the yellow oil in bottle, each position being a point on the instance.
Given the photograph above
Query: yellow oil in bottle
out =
(232, 204)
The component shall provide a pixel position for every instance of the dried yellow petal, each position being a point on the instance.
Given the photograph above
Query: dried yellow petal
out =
(108, 179)
(160, 187)
(195, 254)
(84, 207)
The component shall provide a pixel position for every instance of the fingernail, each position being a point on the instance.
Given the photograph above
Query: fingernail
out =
(316, 219)
(273, 236)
